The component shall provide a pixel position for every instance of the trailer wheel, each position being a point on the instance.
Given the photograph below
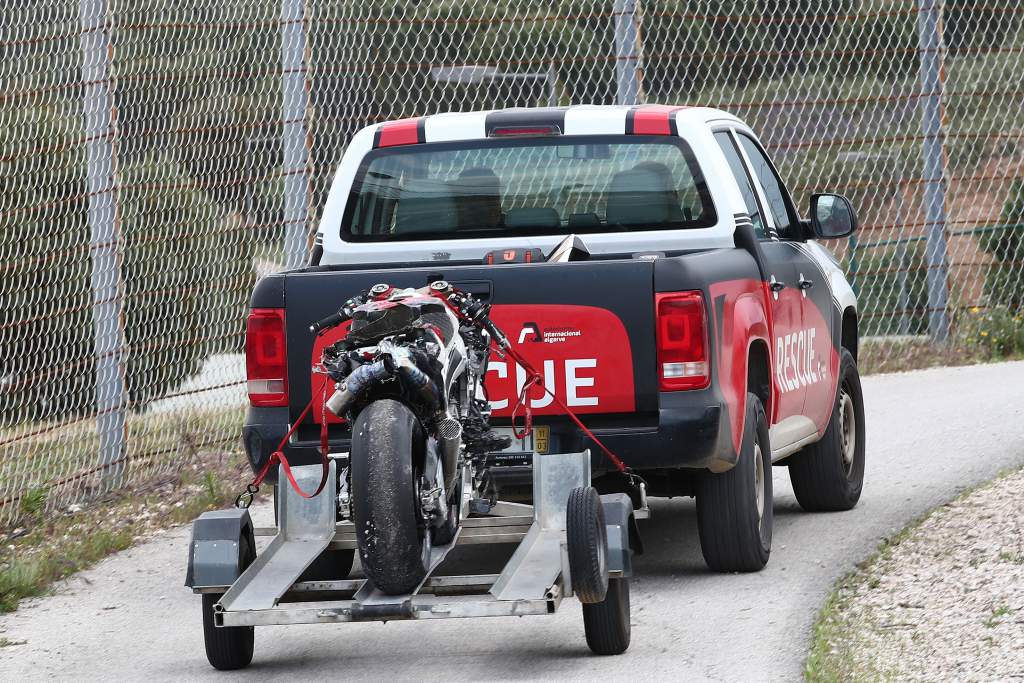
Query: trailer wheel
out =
(734, 508)
(229, 647)
(607, 622)
(386, 453)
(587, 540)
(828, 475)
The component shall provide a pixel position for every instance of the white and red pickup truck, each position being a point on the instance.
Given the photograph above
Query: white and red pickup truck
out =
(701, 331)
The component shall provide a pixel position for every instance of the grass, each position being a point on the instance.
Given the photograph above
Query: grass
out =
(880, 355)
(833, 645)
(831, 657)
(51, 547)
(33, 469)
(996, 617)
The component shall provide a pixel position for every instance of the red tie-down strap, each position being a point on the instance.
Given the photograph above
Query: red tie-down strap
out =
(279, 456)
(534, 378)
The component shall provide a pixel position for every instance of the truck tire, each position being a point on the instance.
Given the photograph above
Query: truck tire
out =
(828, 476)
(587, 541)
(734, 508)
(394, 543)
(607, 622)
(229, 647)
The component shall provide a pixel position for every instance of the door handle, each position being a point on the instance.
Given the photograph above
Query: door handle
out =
(804, 283)
(775, 285)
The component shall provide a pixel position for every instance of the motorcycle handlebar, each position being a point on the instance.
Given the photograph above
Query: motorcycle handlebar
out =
(333, 320)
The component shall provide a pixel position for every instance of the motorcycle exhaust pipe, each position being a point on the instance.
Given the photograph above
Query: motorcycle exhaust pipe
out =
(449, 437)
(349, 390)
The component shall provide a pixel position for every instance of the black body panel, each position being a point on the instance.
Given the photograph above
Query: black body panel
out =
(622, 287)
(668, 429)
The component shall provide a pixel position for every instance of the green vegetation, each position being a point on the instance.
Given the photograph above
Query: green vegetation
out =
(889, 307)
(1004, 279)
(158, 444)
(52, 547)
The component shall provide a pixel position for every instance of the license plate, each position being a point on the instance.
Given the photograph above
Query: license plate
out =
(538, 440)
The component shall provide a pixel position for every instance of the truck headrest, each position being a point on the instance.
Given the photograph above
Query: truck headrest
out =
(425, 206)
(642, 195)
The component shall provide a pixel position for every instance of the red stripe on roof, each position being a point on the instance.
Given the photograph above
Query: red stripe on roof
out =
(654, 119)
(400, 132)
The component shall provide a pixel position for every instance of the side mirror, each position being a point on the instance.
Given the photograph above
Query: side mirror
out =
(832, 216)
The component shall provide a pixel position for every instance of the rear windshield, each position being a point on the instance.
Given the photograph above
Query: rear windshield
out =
(527, 186)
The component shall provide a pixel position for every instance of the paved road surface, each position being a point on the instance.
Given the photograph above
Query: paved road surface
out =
(930, 434)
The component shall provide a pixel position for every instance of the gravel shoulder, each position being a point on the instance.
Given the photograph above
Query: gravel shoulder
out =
(941, 600)
(931, 434)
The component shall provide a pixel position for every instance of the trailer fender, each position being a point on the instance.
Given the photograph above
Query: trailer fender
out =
(623, 534)
(216, 548)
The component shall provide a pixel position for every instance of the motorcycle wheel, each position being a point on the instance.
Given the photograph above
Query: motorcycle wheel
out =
(386, 459)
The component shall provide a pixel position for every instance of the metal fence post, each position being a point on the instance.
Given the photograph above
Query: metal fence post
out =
(628, 53)
(902, 265)
(100, 131)
(294, 106)
(931, 48)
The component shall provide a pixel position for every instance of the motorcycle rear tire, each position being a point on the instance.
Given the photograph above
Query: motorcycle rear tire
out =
(386, 459)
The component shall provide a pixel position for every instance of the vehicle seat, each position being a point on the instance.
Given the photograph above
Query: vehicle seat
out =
(642, 195)
(584, 220)
(477, 194)
(533, 217)
(425, 206)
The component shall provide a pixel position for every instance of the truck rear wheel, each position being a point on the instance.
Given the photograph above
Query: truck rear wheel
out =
(734, 508)
(828, 476)
(386, 454)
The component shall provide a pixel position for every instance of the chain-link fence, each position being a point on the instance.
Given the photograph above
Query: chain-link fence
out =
(158, 156)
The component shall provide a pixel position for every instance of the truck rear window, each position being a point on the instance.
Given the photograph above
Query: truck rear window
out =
(527, 186)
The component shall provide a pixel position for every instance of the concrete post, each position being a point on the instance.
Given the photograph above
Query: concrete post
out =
(931, 49)
(294, 142)
(628, 53)
(108, 333)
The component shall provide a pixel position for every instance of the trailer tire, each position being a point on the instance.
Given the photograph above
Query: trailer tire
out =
(229, 647)
(828, 476)
(587, 541)
(394, 542)
(607, 622)
(734, 508)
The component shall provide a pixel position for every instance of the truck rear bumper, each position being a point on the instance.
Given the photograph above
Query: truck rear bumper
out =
(692, 431)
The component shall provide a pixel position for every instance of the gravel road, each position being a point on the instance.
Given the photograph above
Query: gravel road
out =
(930, 433)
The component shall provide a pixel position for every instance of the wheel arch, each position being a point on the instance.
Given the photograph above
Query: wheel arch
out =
(759, 374)
(751, 355)
(848, 331)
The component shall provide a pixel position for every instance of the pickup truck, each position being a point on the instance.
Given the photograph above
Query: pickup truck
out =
(699, 329)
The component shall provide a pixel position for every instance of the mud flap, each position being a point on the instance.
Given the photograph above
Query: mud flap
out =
(215, 551)
(623, 534)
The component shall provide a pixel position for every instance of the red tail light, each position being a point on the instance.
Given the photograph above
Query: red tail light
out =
(266, 357)
(682, 341)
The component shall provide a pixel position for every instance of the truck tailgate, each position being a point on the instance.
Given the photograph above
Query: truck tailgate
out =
(587, 326)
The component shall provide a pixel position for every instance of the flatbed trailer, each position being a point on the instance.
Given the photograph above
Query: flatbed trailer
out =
(568, 535)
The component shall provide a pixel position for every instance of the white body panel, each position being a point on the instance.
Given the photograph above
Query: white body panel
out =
(580, 120)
